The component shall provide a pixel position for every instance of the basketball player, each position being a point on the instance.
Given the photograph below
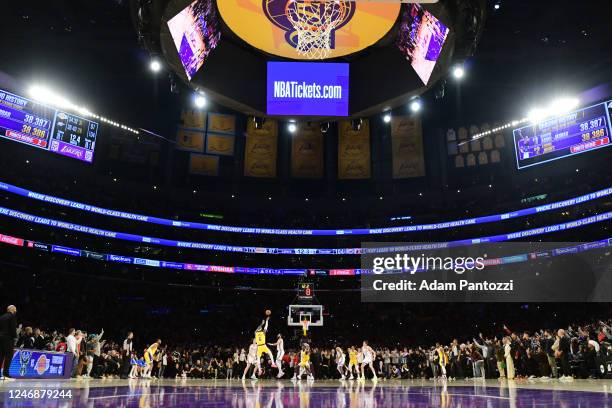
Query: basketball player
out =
(368, 360)
(359, 362)
(260, 338)
(340, 357)
(280, 352)
(252, 360)
(305, 365)
(442, 359)
(353, 362)
(149, 358)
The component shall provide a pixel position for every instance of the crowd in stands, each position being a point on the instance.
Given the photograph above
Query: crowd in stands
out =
(573, 352)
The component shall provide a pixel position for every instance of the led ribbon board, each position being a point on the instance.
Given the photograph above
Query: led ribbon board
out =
(577, 132)
(34, 124)
(300, 251)
(280, 231)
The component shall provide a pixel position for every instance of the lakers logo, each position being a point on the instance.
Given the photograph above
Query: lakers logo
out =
(310, 14)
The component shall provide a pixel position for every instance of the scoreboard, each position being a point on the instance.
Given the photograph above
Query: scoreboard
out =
(306, 291)
(573, 133)
(25, 121)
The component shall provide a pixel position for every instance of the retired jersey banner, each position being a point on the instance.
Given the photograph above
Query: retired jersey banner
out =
(307, 151)
(220, 123)
(407, 147)
(190, 140)
(204, 164)
(261, 149)
(354, 151)
(220, 144)
(194, 119)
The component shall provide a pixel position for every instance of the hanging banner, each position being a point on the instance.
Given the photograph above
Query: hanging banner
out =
(307, 151)
(220, 123)
(194, 119)
(261, 149)
(204, 165)
(353, 151)
(407, 147)
(218, 144)
(190, 140)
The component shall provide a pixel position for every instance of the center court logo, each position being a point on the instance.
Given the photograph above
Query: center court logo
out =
(278, 11)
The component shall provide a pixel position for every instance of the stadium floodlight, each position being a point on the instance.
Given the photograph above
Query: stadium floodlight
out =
(387, 118)
(563, 105)
(199, 100)
(416, 105)
(50, 97)
(155, 65)
(292, 127)
(458, 72)
(497, 6)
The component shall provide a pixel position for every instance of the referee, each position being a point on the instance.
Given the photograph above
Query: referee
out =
(8, 334)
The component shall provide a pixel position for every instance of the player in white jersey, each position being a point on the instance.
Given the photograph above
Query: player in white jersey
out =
(280, 352)
(368, 360)
(252, 360)
(340, 358)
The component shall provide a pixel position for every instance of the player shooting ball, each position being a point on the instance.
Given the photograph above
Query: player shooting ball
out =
(260, 339)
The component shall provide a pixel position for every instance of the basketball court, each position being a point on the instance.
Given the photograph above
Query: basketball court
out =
(287, 394)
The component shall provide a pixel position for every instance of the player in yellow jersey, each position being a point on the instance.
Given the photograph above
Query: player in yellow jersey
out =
(260, 339)
(352, 362)
(304, 367)
(149, 357)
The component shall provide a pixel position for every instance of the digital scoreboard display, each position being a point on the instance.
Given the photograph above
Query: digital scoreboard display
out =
(308, 89)
(573, 133)
(28, 122)
(306, 291)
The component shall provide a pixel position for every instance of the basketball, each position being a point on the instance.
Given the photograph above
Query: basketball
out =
(268, 312)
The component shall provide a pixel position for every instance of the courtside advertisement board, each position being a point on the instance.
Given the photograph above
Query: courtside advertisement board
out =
(307, 89)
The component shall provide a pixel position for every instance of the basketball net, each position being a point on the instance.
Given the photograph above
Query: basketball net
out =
(314, 22)
(305, 325)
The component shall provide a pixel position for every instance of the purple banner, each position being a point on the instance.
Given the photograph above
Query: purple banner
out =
(308, 88)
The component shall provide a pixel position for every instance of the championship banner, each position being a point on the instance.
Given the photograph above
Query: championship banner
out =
(307, 151)
(190, 140)
(220, 123)
(261, 149)
(222, 145)
(354, 151)
(407, 147)
(194, 119)
(204, 165)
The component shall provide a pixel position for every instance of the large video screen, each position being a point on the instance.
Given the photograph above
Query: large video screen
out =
(573, 133)
(195, 33)
(308, 89)
(31, 123)
(421, 39)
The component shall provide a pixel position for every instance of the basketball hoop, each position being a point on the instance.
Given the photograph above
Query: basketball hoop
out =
(314, 22)
(305, 325)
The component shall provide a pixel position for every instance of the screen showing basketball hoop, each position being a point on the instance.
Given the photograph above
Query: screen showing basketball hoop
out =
(421, 39)
(308, 89)
(195, 33)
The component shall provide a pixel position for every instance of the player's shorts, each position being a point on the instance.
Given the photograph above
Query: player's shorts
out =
(340, 362)
(353, 361)
(304, 363)
(279, 355)
(148, 358)
(252, 360)
(367, 359)
(263, 349)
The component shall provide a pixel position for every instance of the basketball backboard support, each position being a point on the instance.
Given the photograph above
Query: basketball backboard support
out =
(298, 313)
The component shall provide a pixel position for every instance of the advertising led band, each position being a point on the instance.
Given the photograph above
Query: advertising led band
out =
(301, 251)
(279, 231)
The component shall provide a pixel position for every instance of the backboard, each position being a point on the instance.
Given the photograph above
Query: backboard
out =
(298, 313)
